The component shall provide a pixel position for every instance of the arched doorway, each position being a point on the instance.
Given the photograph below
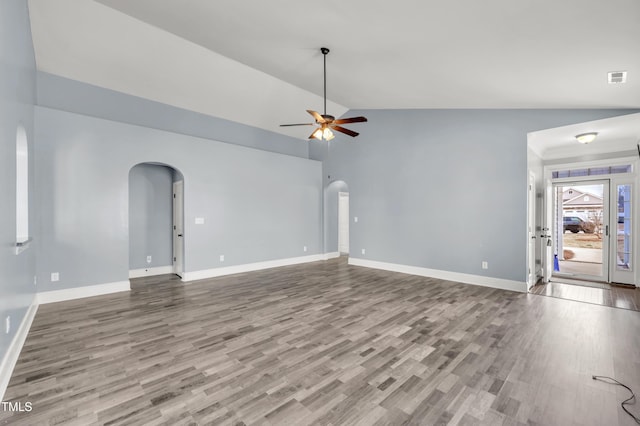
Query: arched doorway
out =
(155, 220)
(336, 219)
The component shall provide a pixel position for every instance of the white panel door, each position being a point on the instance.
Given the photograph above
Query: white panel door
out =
(343, 222)
(178, 227)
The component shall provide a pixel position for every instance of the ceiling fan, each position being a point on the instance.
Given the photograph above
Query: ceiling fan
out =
(326, 123)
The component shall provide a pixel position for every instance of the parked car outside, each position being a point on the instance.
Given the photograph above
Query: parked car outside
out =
(576, 224)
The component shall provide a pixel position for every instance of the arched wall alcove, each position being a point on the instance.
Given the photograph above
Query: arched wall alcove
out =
(331, 194)
(153, 249)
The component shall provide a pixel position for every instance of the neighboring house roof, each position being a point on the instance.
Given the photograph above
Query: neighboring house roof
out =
(575, 198)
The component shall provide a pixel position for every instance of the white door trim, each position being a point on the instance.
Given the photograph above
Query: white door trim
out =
(547, 243)
(531, 231)
(617, 274)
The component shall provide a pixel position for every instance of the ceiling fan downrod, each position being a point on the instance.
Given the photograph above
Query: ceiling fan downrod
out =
(325, 51)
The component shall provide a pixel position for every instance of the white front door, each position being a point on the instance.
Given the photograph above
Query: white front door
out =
(343, 222)
(178, 228)
(582, 230)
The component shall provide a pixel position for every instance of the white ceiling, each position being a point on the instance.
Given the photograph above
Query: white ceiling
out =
(258, 62)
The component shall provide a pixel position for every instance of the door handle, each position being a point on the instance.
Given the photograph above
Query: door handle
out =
(179, 235)
(606, 230)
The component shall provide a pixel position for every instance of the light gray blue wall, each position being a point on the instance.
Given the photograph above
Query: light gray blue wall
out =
(257, 205)
(441, 189)
(150, 216)
(17, 96)
(74, 96)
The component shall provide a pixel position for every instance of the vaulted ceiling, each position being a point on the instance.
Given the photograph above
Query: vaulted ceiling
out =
(259, 63)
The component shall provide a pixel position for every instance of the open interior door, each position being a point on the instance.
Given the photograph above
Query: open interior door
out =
(547, 233)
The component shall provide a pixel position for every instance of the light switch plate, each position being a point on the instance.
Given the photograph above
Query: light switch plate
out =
(199, 220)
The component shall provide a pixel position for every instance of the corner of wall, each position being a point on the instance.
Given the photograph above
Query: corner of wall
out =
(10, 358)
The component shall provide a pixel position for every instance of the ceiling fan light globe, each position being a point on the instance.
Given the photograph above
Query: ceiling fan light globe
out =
(317, 134)
(327, 134)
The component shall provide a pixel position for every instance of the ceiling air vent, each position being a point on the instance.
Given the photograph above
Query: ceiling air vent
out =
(616, 77)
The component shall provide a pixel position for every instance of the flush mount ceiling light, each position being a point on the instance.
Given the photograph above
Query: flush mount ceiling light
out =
(586, 137)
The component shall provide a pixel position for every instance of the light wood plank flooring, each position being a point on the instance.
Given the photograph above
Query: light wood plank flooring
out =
(328, 344)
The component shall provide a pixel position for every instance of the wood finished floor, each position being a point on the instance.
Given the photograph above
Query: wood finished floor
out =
(329, 344)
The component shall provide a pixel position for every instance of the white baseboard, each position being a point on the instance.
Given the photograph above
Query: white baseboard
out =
(11, 357)
(248, 267)
(331, 255)
(81, 292)
(148, 272)
(443, 275)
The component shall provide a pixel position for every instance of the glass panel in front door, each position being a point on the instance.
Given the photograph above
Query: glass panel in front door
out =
(581, 229)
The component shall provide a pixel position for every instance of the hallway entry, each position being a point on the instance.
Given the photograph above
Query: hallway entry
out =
(154, 217)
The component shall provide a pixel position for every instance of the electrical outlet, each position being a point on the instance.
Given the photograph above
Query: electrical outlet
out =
(222, 258)
(199, 220)
(7, 324)
(148, 259)
(35, 280)
(485, 264)
(363, 251)
(55, 276)
(304, 248)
